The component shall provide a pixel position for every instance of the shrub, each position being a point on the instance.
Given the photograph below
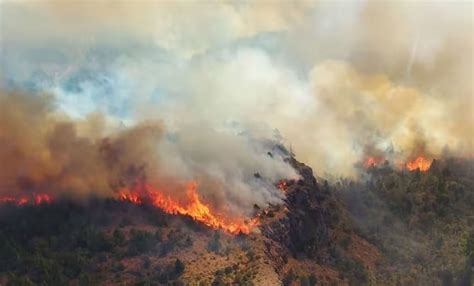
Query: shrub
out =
(140, 242)
(14, 280)
(312, 280)
(215, 244)
(289, 278)
(178, 267)
(118, 237)
(118, 267)
(146, 263)
(72, 264)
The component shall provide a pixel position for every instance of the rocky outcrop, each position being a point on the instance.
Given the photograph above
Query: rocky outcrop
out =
(303, 230)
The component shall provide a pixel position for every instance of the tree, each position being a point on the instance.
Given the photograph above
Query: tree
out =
(9, 255)
(119, 237)
(178, 267)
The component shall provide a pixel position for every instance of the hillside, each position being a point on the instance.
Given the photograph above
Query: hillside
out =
(390, 228)
(422, 222)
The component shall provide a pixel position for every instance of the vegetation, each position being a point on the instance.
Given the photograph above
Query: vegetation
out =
(422, 222)
(62, 242)
(215, 244)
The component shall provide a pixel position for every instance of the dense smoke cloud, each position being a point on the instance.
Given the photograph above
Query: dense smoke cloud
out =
(222, 75)
(46, 152)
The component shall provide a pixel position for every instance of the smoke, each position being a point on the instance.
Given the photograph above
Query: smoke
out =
(379, 116)
(338, 81)
(44, 151)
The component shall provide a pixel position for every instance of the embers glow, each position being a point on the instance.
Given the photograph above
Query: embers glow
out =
(34, 199)
(420, 163)
(282, 185)
(192, 206)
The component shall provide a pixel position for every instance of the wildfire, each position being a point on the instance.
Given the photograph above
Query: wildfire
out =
(282, 185)
(192, 207)
(373, 161)
(421, 163)
(130, 197)
(35, 199)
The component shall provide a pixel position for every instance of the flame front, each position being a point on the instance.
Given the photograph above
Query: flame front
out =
(421, 163)
(34, 199)
(193, 207)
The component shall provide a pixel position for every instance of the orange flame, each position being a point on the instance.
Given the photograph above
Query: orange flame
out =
(421, 163)
(193, 207)
(125, 195)
(373, 161)
(34, 199)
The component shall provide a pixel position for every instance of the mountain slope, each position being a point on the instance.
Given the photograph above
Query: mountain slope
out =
(390, 228)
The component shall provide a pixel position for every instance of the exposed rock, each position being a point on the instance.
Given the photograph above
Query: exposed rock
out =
(303, 230)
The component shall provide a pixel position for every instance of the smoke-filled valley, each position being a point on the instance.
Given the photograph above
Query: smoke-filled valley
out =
(236, 143)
